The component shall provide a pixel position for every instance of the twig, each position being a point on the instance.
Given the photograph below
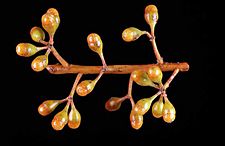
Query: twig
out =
(155, 49)
(79, 75)
(175, 72)
(113, 69)
(58, 57)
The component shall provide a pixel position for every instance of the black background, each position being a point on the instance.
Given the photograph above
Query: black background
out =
(181, 37)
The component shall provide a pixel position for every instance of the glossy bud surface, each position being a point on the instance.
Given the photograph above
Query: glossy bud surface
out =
(47, 107)
(39, 63)
(113, 104)
(131, 34)
(26, 49)
(37, 34)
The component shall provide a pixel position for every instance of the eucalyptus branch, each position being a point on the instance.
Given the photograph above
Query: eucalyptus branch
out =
(143, 74)
(113, 69)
